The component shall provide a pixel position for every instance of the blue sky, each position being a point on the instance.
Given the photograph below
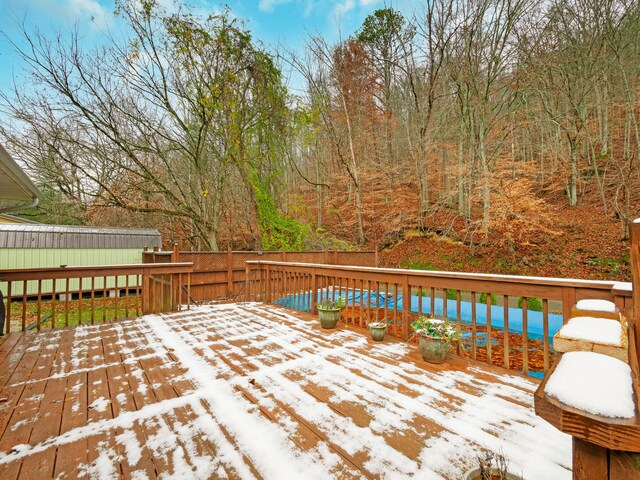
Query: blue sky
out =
(285, 22)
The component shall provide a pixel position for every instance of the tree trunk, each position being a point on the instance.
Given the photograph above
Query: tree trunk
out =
(572, 187)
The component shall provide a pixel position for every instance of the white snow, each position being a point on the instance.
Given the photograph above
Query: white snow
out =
(218, 352)
(637, 220)
(592, 329)
(595, 383)
(596, 305)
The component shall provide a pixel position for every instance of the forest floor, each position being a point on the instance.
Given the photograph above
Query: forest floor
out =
(587, 245)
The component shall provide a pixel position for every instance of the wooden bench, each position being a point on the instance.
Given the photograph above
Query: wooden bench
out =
(603, 447)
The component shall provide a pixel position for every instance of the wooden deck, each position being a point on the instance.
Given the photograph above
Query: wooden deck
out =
(250, 391)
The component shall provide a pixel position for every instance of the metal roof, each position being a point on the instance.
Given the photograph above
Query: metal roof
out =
(17, 191)
(65, 236)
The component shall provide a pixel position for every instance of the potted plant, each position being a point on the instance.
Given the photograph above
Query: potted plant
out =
(378, 329)
(491, 466)
(435, 337)
(329, 311)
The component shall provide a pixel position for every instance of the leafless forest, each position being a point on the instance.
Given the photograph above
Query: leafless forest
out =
(484, 120)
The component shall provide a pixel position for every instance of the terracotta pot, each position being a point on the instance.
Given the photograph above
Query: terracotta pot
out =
(328, 317)
(377, 331)
(434, 350)
(474, 474)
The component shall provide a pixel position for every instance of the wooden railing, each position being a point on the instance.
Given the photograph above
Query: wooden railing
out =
(86, 295)
(506, 320)
(218, 275)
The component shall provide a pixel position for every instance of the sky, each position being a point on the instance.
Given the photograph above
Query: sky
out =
(274, 22)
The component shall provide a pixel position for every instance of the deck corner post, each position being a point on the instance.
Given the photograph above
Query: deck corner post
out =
(634, 233)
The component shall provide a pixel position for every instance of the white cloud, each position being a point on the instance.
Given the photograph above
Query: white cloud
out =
(366, 3)
(64, 11)
(269, 5)
(341, 8)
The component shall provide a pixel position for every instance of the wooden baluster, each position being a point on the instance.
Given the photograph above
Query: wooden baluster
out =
(104, 299)
(525, 337)
(395, 310)
(353, 302)
(7, 326)
(39, 305)
(53, 304)
(505, 303)
(445, 309)
(93, 289)
(473, 325)
(362, 322)
(115, 299)
(420, 293)
(126, 297)
(139, 294)
(386, 305)
(489, 303)
(458, 316)
(66, 302)
(189, 291)
(433, 302)
(80, 279)
(545, 335)
(24, 305)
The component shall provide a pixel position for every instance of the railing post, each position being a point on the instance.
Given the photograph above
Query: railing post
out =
(175, 255)
(335, 257)
(634, 232)
(376, 259)
(229, 273)
(568, 301)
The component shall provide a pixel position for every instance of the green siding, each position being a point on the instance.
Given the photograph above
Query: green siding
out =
(18, 258)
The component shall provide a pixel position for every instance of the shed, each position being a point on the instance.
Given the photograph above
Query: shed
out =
(42, 246)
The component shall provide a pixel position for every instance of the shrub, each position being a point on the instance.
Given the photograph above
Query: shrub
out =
(534, 304)
(483, 298)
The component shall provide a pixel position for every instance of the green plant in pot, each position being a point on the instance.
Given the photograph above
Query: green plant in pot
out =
(378, 329)
(435, 337)
(329, 311)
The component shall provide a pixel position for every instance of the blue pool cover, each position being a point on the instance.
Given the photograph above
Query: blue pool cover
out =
(377, 299)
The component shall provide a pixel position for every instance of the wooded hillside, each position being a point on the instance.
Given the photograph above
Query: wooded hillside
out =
(507, 127)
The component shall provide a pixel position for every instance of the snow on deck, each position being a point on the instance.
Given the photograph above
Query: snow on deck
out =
(250, 391)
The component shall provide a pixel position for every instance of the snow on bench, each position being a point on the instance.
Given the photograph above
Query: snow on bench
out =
(592, 334)
(595, 383)
(596, 305)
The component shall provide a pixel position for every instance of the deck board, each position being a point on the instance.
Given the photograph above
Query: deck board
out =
(187, 395)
